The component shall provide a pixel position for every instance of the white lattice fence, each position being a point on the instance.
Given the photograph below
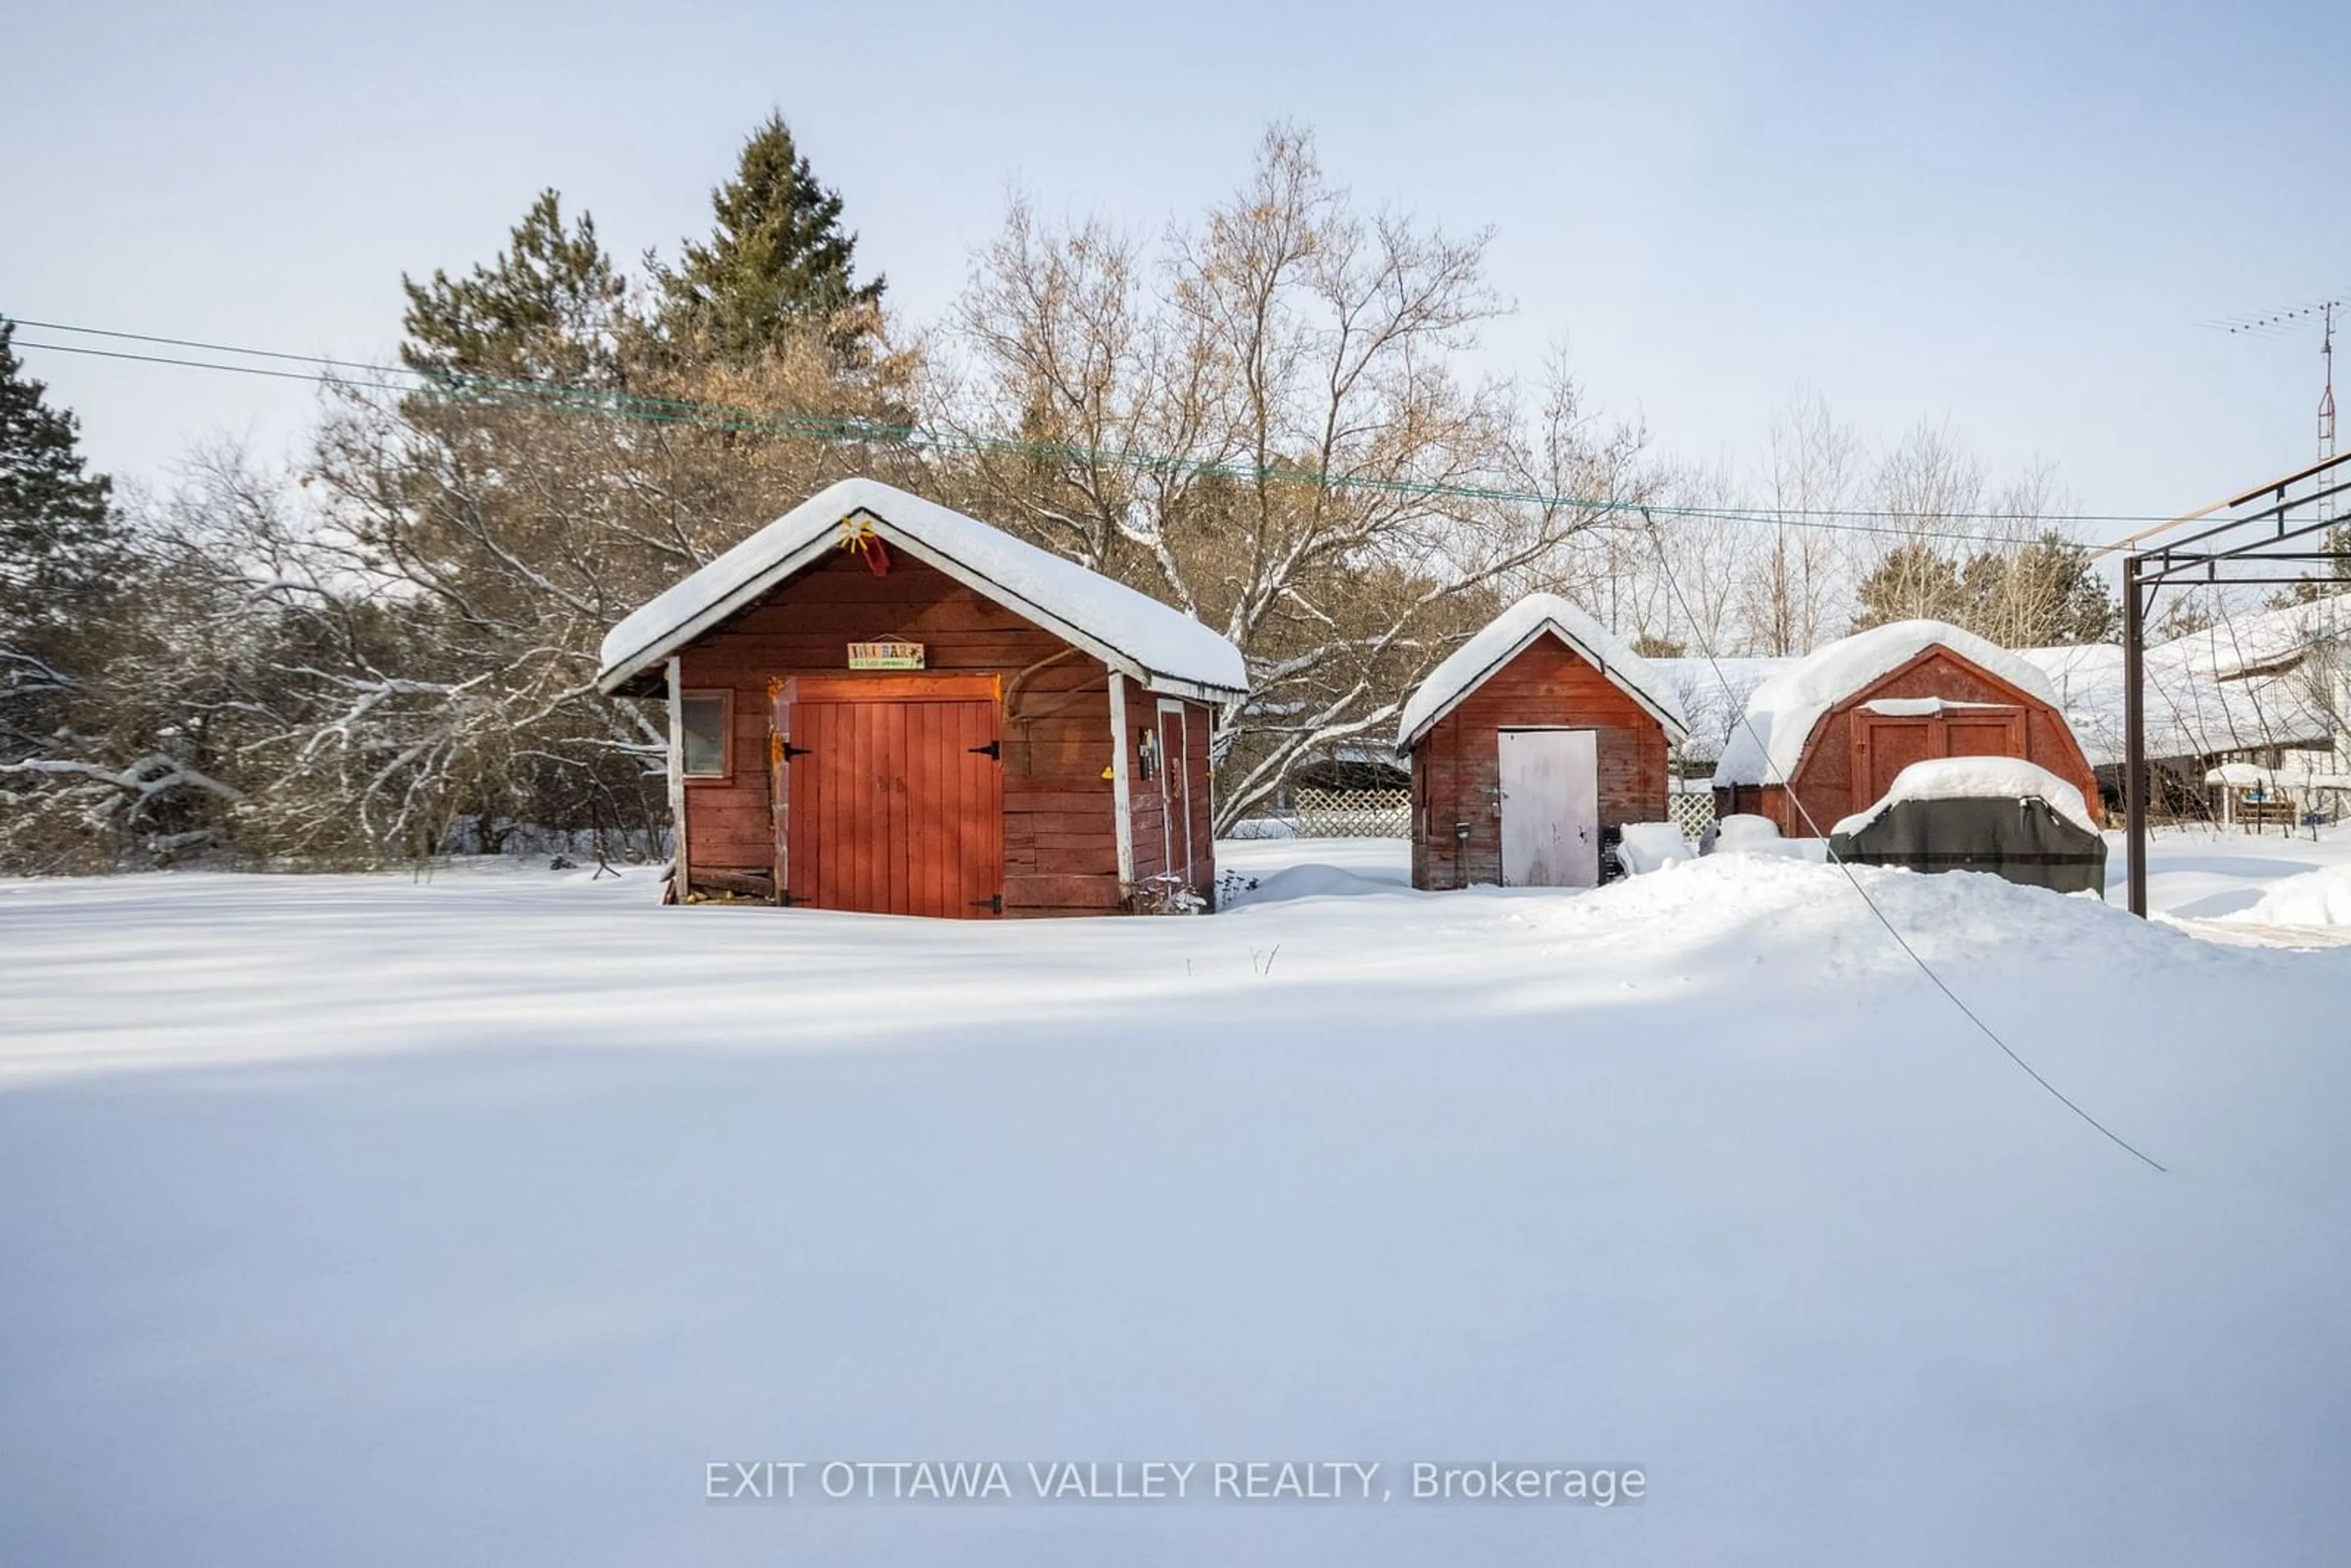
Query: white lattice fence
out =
(1351, 813)
(1693, 811)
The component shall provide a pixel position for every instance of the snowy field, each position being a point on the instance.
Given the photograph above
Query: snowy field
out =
(364, 1220)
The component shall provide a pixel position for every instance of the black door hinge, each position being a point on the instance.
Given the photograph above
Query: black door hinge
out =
(791, 752)
(993, 748)
(786, 898)
(993, 904)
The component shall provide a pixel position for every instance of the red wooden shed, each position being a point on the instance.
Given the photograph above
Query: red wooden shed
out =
(1838, 726)
(879, 704)
(1535, 740)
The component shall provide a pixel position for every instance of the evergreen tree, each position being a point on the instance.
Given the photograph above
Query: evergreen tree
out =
(551, 308)
(2338, 571)
(60, 541)
(2039, 595)
(2030, 595)
(778, 261)
(1911, 582)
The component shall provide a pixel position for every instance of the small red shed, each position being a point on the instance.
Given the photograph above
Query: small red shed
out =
(1537, 738)
(1837, 726)
(879, 704)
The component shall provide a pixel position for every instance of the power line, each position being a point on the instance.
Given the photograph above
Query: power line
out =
(310, 376)
(197, 343)
(1788, 788)
(465, 387)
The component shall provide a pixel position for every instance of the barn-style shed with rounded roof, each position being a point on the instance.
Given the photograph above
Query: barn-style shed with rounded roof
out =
(1538, 740)
(1826, 738)
(878, 703)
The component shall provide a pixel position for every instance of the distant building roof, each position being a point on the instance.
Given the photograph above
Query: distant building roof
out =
(1714, 695)
(2191, 709)
(2237, 646)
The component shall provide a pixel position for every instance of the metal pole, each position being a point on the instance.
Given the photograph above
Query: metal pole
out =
(2135, 734)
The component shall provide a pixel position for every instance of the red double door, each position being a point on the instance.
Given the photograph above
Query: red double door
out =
(889, 794)
(1884, 744)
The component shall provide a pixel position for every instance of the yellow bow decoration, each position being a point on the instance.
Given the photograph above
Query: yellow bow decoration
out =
(858, 538)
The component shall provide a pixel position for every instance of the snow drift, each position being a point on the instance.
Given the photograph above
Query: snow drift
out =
(2321, 897)
(358, 1220)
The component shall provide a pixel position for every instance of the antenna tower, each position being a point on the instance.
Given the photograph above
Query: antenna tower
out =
(2275, 322)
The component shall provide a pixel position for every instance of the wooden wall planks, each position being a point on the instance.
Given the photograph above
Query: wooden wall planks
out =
(1059, 851)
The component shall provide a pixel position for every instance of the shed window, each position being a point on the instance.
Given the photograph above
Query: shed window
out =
(704, 720)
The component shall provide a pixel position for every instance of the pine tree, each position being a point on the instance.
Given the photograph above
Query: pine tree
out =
(777, 262)
(60, 541)
(551, 308)
(1911, 582)
(2338, 571)
(2039, 595)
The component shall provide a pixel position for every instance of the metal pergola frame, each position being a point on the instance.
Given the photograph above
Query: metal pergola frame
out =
(2256, 548)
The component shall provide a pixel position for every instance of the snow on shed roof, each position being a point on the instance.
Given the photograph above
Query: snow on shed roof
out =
(1780, 713)
(1508, 635)
(1164, 648)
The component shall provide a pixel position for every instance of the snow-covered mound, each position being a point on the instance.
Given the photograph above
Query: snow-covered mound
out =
(1765, 748)
(1975, 777)
(2321, 897)
(1310, 881)
(1653, 846)
(1744, 833)
(1755, 906)
(1743, 830)
(1508, 635)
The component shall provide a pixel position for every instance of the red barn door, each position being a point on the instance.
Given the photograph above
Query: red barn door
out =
(1884, 747)
(890, 795)
(1984, 732)
(1884, 744)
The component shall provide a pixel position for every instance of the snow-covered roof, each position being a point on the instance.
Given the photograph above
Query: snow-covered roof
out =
(1163, 648)
(1976, 779)
(1510, 635)
(2300, 774)
(2191, 710)
(1780, 713)
(2235, 646)
(1714, 693)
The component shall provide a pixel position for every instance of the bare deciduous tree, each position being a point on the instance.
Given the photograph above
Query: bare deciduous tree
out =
(1266, 424)
(1812, 478)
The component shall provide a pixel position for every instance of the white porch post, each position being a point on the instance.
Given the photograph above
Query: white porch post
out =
(1121, 794)
(677, 783)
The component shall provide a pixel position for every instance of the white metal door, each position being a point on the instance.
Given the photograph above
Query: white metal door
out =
(1550, 807)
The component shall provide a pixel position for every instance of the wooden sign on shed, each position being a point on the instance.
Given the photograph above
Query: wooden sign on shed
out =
(885, 655)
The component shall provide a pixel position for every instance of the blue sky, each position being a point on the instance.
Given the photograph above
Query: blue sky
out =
(2009, 220)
